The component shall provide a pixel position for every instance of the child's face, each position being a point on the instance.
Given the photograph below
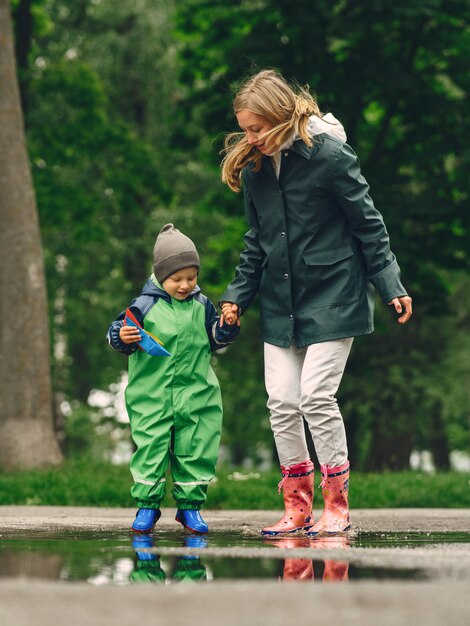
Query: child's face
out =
(180, 284)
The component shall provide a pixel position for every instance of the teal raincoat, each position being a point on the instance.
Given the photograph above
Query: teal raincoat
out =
(316, 249)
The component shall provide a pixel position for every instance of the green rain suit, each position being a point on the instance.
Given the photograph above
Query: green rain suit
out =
(174, 403)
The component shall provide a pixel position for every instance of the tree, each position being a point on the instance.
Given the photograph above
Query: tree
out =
(27, 436)
(97, 177)
(395, 75)
(127, 106)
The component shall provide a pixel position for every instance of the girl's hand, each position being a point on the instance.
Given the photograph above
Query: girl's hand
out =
(129, 334)
(399, 303)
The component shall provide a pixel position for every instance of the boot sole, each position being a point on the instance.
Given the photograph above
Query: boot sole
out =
(139, 531)
(331, 533)
(273, 533)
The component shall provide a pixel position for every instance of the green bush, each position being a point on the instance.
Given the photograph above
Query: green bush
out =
(88, 483)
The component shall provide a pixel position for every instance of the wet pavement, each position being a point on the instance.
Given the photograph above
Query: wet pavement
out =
(104, 557)
(396, 566)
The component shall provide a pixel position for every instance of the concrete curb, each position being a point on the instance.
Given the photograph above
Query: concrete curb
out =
(95, 518)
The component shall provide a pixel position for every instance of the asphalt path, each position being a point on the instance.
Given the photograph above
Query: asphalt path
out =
(442, 597)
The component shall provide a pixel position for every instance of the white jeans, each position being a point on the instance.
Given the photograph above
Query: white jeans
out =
(302, 383)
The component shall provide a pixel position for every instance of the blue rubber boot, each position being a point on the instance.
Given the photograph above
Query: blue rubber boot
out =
(144, 541)
(192, 520)
(145, 520)
(194, 541)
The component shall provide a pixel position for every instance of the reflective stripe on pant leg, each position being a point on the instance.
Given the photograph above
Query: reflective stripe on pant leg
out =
(282, 371)
(321, 375)
(148, 496)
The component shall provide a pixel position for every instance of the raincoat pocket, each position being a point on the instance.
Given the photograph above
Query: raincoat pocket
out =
(332, 275)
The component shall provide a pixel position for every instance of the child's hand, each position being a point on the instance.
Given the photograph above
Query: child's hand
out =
(129, 334)
(229, 314)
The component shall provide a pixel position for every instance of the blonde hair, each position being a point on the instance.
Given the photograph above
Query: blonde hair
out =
(286, 107)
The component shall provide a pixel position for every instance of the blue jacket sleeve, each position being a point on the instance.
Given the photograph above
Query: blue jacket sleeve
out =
(219, 336)
(113, 332)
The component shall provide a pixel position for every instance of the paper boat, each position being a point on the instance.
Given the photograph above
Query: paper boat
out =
(148, 343)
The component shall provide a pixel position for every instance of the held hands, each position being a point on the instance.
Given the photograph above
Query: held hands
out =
(229, 314)
(129, 334)
(400, 303)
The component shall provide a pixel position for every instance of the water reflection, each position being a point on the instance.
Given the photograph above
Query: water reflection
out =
(148, 567)
(334, 570)
(303, 569)
(103, 558)
(30, 565)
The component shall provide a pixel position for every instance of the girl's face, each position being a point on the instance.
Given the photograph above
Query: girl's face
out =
(180, 284)
(254, 126)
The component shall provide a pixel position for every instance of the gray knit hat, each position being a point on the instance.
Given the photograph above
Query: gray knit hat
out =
(172, 252)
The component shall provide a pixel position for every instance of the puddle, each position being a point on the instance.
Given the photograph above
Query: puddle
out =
(408, 540)
(171, 557)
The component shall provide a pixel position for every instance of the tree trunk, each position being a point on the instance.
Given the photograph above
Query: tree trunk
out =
(27, 436)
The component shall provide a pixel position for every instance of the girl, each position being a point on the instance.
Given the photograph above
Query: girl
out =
(315, 250)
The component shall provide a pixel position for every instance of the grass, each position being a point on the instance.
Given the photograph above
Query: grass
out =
(81, 483)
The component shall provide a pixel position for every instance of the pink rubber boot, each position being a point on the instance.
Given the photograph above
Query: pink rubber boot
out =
(335, 516)
(294, 569)
(334, 571)
(297, 569)
(297, 483)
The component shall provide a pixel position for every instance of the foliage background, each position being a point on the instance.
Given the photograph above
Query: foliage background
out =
(75, 484)
(126, 105)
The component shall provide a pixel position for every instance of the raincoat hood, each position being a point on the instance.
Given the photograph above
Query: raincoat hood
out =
(327, 124)
(153, 288)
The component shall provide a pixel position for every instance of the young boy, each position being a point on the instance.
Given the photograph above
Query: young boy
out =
(174, 402)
